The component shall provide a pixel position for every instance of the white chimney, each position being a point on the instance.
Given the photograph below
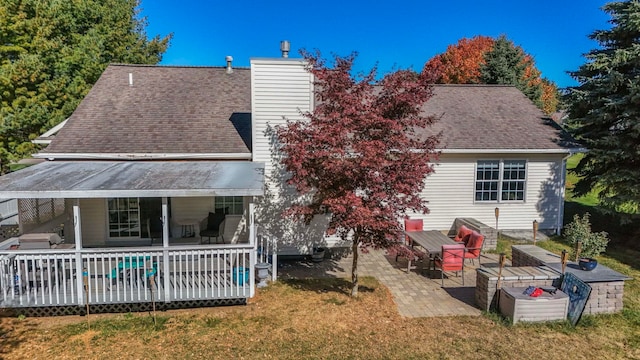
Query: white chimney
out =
(229, 60)
(285, 47)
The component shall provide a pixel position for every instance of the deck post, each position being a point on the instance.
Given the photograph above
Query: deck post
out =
(252, 255)
(165, 250)
(77, 228)
(274, 259)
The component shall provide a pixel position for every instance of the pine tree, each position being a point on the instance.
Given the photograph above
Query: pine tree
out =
(507, 64)
(604, 111)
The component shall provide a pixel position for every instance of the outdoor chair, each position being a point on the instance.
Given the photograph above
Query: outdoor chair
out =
(154, 228)
(463, 234)
(213, 226)
(473, 248)
(451, 258)
(410, 225)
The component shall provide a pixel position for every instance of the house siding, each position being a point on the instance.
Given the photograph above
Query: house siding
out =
(93, 215)
(280, 90)
(450, 192)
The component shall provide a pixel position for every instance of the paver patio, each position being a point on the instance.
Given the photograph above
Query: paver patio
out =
(417, 294)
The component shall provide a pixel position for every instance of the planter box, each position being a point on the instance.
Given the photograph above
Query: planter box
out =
(520, 307)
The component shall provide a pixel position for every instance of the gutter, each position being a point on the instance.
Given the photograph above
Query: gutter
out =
(143, 156)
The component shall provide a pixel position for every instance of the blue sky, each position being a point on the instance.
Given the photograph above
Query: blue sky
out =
(394, 34)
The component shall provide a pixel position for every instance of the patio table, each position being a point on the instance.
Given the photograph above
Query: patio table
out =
(430, 240)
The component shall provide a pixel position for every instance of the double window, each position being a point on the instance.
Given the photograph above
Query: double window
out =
(129, 217)
(500, 181)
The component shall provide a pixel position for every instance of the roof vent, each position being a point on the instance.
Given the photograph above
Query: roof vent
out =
(229, 60)
(285, 47)
(130, 79)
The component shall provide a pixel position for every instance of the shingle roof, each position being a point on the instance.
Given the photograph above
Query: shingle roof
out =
(491, 117)
(205, 110)
(170, 110)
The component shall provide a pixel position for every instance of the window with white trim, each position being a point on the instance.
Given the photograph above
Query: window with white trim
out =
(500, 181)
(124, 217)
(234, 204)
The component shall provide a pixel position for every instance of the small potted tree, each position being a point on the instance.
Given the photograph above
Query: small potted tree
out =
(586, 244)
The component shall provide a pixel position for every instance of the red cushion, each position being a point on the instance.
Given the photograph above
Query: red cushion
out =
(474, 245)
(451, 258)
(413, 225)
(463, 234)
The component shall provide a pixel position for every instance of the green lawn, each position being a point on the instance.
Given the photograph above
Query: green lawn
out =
(590, 199)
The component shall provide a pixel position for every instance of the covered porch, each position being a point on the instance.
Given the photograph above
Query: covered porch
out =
(109, 253)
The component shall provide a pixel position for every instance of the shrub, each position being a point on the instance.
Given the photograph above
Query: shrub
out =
(593, 244)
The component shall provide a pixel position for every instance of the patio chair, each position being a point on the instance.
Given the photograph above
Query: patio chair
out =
(213, 226)
(154, 228)
(451, 258)
(463, 234)
(411, 225)
(473, 248)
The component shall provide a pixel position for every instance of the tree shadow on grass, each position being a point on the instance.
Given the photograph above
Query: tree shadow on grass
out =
(326, 285)
(11, 338)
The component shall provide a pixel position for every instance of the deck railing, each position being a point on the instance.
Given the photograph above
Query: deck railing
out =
(53, 277)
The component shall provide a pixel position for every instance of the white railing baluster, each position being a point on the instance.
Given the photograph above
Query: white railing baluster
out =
(51, 278)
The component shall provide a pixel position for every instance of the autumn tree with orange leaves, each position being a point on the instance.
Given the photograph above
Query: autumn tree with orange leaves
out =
(460, 64)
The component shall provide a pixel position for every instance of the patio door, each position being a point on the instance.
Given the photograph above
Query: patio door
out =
(128, 217)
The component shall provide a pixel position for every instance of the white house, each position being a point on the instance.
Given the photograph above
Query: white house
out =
(176, 144)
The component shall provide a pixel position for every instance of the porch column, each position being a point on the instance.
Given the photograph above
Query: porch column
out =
(252, 255)
(165, 249)
(77, 230)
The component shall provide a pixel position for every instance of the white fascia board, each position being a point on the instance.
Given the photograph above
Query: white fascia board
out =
(143, 156)
(91, 194)
(54, 130)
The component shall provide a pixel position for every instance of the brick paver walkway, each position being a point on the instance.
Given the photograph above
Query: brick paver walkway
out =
(417, 293)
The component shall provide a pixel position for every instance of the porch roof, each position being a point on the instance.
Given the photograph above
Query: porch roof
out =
(100, 179)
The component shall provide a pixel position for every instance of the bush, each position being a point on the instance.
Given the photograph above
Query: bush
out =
(593, 244)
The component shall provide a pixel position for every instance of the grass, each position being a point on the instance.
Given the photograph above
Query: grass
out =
(316, 319)
(590, 199)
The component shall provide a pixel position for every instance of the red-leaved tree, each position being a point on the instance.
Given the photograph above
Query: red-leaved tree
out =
(460, 63)
(358, 156)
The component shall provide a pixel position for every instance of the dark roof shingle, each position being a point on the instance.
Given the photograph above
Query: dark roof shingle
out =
(491, 117)
(169, 110)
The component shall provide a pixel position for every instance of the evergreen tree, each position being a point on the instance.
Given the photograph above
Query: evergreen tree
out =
(52, 52)
(604, 111)
(507, 64)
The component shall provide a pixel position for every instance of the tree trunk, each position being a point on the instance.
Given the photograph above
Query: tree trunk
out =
(354, 268)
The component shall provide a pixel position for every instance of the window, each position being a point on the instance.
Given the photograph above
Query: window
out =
(128, 217)
(505, 177)
(513, 178)
(124, 217)
(234, 203)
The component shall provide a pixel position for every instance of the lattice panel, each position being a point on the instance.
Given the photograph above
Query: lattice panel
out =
(121, 308)
(34, 212)
(9, 231)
